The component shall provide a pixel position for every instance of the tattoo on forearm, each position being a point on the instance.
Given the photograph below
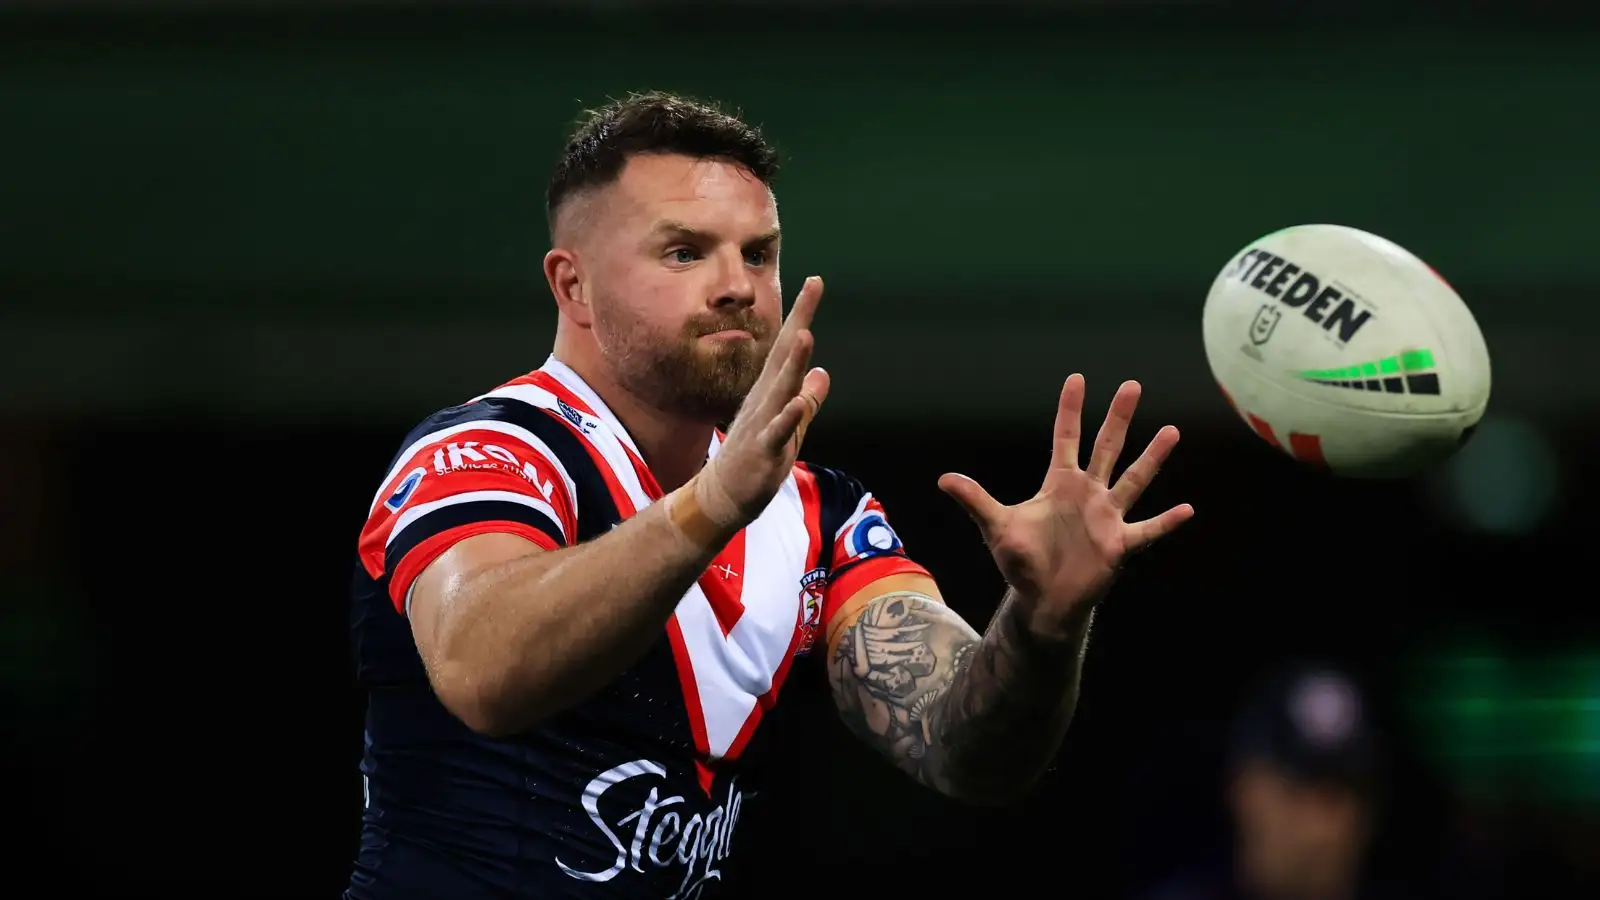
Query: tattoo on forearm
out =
(971, 717)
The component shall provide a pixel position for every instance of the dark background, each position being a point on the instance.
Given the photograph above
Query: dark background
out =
(243, 250)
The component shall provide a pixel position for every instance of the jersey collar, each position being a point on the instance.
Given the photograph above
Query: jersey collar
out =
(574, 382)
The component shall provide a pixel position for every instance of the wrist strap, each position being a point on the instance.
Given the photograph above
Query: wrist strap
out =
(683, 508)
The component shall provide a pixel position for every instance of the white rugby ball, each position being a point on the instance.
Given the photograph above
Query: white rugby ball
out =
(1346, 352)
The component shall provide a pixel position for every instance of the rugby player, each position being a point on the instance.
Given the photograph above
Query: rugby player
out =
(576, 597)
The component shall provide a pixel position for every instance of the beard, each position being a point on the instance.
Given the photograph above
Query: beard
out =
(685, 376)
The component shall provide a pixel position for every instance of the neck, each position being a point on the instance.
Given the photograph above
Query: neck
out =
(1330, 876)
(673, 447)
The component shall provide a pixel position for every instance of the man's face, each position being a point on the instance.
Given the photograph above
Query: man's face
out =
(680, 265)
(1290, 830)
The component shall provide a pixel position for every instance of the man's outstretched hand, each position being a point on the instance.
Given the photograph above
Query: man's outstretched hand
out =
(1060, 549)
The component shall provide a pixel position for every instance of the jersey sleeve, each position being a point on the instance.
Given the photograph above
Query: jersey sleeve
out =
(864, 546)
(458, 482)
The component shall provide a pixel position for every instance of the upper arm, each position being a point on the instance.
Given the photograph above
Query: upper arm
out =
(427, 600)
(851, 609)
(893, 654)
(862, 548)
(464, 481)
(893, 647)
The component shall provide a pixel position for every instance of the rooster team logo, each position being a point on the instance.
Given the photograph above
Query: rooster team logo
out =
(812, 586)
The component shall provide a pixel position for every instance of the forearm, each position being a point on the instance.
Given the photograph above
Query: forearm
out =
(977, 718)
(1003, 718)
(538, 633)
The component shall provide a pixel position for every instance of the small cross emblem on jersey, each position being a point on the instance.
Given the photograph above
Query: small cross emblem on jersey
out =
(726, 570)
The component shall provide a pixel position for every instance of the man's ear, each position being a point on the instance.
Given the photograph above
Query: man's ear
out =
(562, 271)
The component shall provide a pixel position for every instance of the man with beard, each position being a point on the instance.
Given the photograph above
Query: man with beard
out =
(576, 598)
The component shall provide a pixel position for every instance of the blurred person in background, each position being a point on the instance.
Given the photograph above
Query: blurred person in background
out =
(1305, 784)
(576, 597)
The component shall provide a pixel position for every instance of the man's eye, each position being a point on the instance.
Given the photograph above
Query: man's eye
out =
(684, 255)
(756, 258)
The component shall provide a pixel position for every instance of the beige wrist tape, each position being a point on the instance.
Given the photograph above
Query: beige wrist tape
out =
(683, 508)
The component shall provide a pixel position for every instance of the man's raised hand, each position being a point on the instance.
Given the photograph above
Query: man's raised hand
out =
(1061, 548)
(765, 437)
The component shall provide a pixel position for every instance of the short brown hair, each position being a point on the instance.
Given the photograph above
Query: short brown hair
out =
(653, 122)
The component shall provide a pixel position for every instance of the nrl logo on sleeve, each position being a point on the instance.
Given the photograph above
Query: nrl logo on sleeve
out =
(406, 489)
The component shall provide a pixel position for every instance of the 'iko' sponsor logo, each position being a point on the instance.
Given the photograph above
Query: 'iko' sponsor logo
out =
(470, 455)
(1339, 313)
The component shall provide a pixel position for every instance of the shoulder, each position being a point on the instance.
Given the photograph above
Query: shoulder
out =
(491, 431)
(494, 413)
(490, 465)
(838, 495)
(852, 517)
(827, 479)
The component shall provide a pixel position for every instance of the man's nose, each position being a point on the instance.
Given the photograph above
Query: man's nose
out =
(736, 286)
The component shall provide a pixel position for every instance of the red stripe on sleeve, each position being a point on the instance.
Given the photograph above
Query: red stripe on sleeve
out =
(859, 576)
(462, 463)
(422, 555)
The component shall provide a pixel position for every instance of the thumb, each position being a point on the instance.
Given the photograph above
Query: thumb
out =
(983, 509)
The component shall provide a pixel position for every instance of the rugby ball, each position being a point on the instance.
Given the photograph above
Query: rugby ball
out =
(1345, 351)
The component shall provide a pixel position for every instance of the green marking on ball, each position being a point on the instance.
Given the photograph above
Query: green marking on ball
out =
(1417, 360)
(1410, 372)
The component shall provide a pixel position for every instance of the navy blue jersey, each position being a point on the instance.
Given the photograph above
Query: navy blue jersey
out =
(636, 791)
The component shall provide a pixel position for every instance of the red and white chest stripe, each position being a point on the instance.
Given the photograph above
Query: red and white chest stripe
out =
(735, 631)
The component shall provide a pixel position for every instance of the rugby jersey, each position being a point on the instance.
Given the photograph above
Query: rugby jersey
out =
(637, 790)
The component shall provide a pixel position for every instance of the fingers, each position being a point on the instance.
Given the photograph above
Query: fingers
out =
(805, 305)
(783, 427)
(1141, 534)
(781, 375)
(1108, 443)
(984, 509)
(1069, 424)
(1138, 476)
(814, 390)
(785, 384)
(795, 417)
(799, 319)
